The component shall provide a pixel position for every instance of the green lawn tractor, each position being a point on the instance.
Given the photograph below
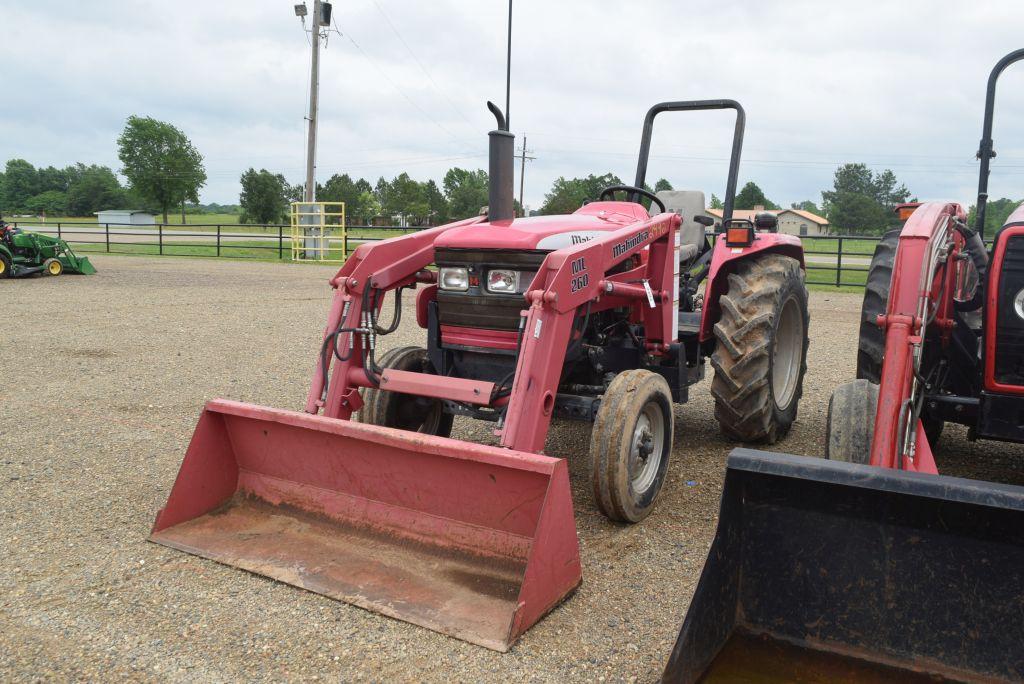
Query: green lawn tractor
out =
(23, 254)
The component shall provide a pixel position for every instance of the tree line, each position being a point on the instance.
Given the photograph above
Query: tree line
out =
(164, 171)
(266, 197)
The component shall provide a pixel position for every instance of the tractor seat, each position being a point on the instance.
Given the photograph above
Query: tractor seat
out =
(691, 235)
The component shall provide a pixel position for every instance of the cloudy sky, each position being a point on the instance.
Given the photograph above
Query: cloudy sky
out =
(894, 84)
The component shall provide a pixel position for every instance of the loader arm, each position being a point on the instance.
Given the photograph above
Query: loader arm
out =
(568, 280)
(920, 297)
(387, 265)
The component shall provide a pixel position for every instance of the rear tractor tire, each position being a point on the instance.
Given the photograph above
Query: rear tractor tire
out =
(851, 422)
(5, 267)
(630, 445)
(406, 411)
(760, 355)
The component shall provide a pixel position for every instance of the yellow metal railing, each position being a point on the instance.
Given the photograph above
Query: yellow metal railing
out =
(318, 232)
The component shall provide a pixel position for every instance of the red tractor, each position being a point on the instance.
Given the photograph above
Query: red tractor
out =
(594, 316)
(870, 566)
(941, 336)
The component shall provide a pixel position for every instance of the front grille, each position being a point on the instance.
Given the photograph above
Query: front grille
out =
(1009, 361)
(478, 308)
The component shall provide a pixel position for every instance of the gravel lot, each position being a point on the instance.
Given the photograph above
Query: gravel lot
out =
(105, 377)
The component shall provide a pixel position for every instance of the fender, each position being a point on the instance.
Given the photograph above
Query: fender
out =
(724, 261)
(423, 298)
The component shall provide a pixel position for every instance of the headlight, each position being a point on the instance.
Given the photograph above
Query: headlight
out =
(502, 281)
(454, 278)
(1018, 303)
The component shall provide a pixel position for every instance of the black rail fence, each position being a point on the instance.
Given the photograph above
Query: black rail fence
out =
(831, 260)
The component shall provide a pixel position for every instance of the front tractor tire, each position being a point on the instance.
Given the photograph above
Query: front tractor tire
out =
(406, 411)
(851, 422)
(53, 267)
(630, 445)
(760, 354)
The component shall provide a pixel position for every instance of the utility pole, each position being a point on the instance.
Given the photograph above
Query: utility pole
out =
(522, 172)
(314, 222)
(314, 97)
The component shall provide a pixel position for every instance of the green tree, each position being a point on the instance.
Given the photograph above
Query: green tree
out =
(52, 202)
(94, 188)
(341, 188)
(264, 197)
(52, 178)
(662, 184)
(466, 192)
(716, 203)
(752, 196)
(160, 162)
(568, 195)
(21, 181)
(806, 205)
(407, 198)
(862, 201)
(436, 202)
(996, 213)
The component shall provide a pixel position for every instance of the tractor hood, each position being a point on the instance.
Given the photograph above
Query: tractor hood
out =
(545, 232)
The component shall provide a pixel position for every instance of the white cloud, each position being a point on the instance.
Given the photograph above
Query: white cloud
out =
(896, 85)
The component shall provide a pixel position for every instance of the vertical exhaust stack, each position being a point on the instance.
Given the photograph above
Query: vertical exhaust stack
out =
(500, 205)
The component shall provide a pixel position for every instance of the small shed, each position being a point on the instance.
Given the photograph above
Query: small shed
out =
(125, 217)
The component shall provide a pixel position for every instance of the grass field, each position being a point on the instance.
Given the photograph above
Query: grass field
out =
(818, 277)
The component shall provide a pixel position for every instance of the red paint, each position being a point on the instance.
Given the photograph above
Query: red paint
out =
(995, 272)
(425, 385)
(478, 337)
(525, 233)
(423, 298)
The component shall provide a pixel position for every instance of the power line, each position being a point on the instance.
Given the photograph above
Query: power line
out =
(522, 172)
(397, 88)
(423, 68)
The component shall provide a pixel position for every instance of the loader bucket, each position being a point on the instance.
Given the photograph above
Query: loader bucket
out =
(829, 571)
(472, 541)
(78, 264)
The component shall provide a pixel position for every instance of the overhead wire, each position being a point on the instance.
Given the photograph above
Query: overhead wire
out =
(423, 68)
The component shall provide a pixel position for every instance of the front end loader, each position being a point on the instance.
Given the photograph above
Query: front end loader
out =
(870, 565)
(23, 253)
(606, 315)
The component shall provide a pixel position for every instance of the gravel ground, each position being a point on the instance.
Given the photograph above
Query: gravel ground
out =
(104, 380)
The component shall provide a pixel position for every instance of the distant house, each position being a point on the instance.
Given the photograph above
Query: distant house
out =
(125, 217)
(791, 221)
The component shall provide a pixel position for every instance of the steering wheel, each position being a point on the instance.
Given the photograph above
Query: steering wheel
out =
(608, 193)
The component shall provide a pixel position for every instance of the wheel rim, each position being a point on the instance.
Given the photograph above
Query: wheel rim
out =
(786, 357)
(55, 268)
(3, 266)
(646, 448)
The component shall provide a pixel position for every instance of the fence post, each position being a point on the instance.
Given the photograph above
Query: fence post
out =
(280, 242)
(218, 239)
(160, 236)
(107, 227)
(839, 264)
(58, 231)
